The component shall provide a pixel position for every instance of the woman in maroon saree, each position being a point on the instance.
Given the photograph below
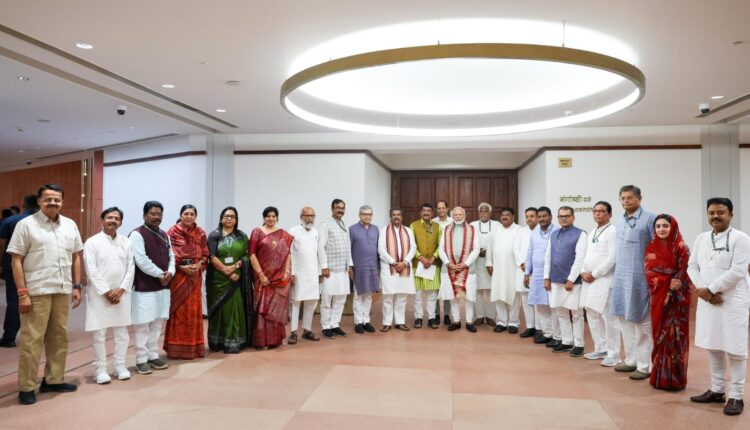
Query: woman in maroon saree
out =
(666, 271)
(270, 255)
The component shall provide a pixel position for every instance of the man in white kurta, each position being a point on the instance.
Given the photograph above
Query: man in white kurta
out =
(502, 265)
(336, 268)
(305, 275)
(562, 279)
(110, 269)
(396, 248)
(596, 293)
(520, 250)
(718, 267)
(459, 249)
(443, 218)
(484, 309)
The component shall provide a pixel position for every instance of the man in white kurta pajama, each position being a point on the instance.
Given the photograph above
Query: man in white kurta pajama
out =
(396, 248)
(502, 265)
(336, 268)
(305, 275)
(520, 250)
(596, 294)
(484, 309)
(718, 267)
(110, 270)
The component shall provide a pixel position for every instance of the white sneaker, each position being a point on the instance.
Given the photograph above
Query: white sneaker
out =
(595, 355)
(122, 373)
(101, 376)
(611, 362)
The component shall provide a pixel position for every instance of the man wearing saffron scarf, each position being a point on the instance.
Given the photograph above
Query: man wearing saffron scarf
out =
(396, 248)
(459, 249)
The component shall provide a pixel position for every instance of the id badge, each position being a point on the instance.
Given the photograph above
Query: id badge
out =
(229, 260)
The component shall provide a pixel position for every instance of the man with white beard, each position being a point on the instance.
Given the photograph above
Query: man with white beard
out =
(484, 309)
(502, 266)
(306, 275)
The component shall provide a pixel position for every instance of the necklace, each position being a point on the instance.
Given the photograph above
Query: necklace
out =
(598, 233)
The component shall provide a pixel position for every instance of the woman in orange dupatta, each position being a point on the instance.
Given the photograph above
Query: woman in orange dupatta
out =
(270, 255)
(183, 337)
(666, 264)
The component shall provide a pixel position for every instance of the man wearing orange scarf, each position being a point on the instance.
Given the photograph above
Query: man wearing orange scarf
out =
(396, 248)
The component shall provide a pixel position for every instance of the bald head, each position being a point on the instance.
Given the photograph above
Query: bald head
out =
(459, 215)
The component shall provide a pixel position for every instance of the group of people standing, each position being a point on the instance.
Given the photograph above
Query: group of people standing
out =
(630, 276)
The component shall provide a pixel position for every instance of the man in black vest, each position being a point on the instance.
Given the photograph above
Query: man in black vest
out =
(154, 269)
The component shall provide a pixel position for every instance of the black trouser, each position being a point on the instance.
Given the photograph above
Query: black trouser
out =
(12, 319)
(446, 308)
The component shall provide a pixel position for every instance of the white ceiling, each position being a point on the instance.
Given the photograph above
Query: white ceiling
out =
(684, 48)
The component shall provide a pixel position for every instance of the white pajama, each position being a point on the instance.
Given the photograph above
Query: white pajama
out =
(147, 340)
(394, 307)
(508, 315)
(605, 332)
(121, 339)
(528, 310)
(638, 341)
(571, 332)
(543, 316)
(483, 306)
(308, 310)
(737, 371)
(362, 306)
(432, 302)
(456, 311)
(331, 309)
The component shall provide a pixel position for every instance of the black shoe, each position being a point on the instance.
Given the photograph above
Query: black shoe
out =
(577, 351)
(543, 340)
(490, 321)
(433, 323)
(9, 343)
(529, 332)
(56, 388)
(553, 343)
(292, 339)
(26, 397)
(499, 328)
(418, 323)
(359, 328)
(454, 326)
(478, 321)
(308, 335)
(562, 348)
(709, 397)
(328, 334)
(734, 407)
(158, 364)
(338, 332)
(471, 327)
(512, 330)
(369, 328)
(402, 327)
(232, 350)
(447, 320)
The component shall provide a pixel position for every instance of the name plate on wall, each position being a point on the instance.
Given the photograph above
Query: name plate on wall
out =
(564, 162)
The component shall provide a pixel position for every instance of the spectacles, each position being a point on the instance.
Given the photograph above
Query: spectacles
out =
(564, 216)
(229, 217)
(365, 214)
(308, 216)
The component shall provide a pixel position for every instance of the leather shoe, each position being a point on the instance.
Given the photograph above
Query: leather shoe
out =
(308, 335)
(385, 328)
(553, 343)
(56, 388)
(622, 367)
(328, 334)
(709, 397)
(562, 347)
(359, 328)
(447, 320)
(369, 328)
(8, 343)
(638, 375)
(402, 327)
(490, 321)
(338, 332)
(471, 327)
(454, 326)
(418, 323)
(543, 340)
(479, 321)
(292, 339)
(512, 330)
(26, 397)
(499, 328)
(734, 407)
(433, 323)
(529, 332)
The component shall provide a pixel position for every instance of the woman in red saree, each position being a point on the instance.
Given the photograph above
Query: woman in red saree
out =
(183, 337)
(270, 255)
(666, 271)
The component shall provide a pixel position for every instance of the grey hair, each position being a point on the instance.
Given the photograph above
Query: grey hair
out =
(484, 205)
(365, 208)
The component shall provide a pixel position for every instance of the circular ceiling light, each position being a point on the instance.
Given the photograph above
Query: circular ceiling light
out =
(467, 77)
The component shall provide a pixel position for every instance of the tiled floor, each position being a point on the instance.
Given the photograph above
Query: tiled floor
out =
(422, 379)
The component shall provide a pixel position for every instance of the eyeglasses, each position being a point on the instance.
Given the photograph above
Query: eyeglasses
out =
(229, 217)
(308, 216)
(564, 216)
(365, 214)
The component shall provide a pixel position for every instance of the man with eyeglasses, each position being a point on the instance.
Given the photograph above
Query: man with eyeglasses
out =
(718, 267)
(484, 307)
(630, 296)
(336, 268)
(306, 275)
(364, 237)
(563, 261)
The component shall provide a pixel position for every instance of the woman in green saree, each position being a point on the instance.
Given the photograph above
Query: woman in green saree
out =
(227, 286)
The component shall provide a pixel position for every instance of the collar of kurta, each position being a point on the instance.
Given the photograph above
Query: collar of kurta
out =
(636, 215)
(40, 216)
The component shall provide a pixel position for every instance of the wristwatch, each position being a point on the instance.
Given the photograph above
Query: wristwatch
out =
(77, 286)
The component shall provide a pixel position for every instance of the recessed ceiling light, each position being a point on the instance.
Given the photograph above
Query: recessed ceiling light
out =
(46, 121)
(24, 78)
(221, 110)
(738, 42)
(234, 83)
(717, 97)
(167, 85)
(84, 45)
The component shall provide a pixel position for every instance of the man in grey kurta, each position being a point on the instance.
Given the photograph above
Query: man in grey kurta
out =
(630, 297)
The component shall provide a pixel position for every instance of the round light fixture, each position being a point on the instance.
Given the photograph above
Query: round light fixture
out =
(84, 45)
(463, 78)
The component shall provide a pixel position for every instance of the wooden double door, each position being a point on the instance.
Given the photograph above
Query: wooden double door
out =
(465, 188)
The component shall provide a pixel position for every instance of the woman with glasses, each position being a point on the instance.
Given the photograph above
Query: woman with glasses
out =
(227, 286)
(666, 264)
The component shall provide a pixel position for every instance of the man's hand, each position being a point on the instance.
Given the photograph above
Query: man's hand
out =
(547, 285)
(165, 279)
(76, 297)
(568, 286)
(24, 304)
(526, 279)
(716, 299)
(326, 273)
(523, 267)
(587, 277)
(351, 273)
(705, 294)
(294, 279)
(490, 270)
(482, 253)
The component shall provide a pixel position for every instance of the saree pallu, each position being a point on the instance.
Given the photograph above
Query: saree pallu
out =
(183, 336)
(271, 302)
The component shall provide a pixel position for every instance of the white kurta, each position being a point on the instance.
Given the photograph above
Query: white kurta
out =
(600, 262)
(109, 265)
(559, 297)
(305, 263)
(722, 327)
(520, 249)
(395, 284)
(149, 306)
(485, 230)
(446, 288)
(500, 257)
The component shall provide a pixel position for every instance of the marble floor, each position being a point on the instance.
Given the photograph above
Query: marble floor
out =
(421, 379)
